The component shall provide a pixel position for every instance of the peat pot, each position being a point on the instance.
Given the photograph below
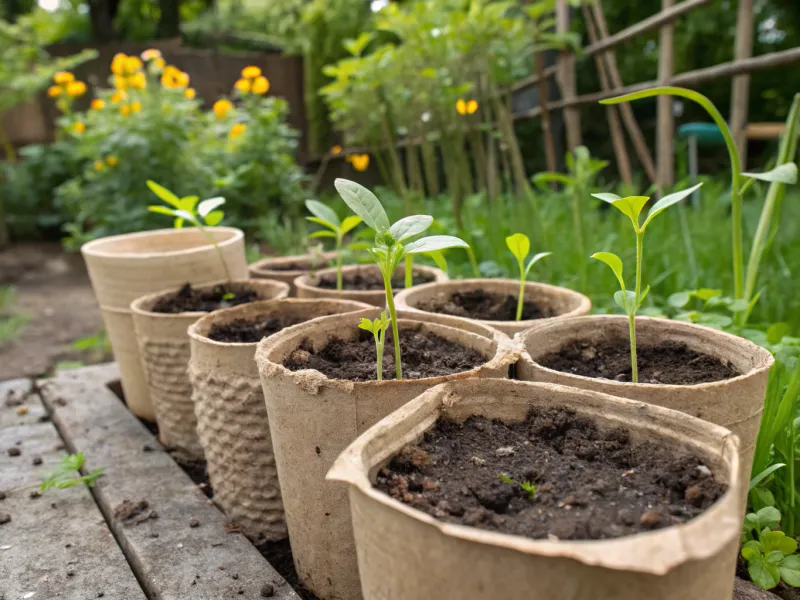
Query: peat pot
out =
(313, 418)
(308, 286)
(734, 403)
(404, 552)
(123, 268)
(231, 415)
(499, 300)
(164, 348)
(289, 268)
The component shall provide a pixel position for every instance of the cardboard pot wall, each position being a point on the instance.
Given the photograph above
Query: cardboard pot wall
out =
(561, 301)
(307, 284)
(734, 403)
(164, 350)
(232, 417)
(281, 268)
(123, 268)
(405, 553)
(313, 418)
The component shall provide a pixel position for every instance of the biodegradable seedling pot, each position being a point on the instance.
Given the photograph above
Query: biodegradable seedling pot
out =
(307, 285)
(406, 553)
(123, 268)
(734, 403)
(556, 301)
(164, 348)
(232, 417)
(313, 418)
(288, 268)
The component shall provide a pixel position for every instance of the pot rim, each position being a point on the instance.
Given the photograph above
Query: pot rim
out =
(262, 264)
(352, 467)
(95, 248)
(764, 359)
(304, 280)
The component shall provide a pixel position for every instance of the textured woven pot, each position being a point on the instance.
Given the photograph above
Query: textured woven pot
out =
(564, 302)
(734, 403)
(405, 553)
(307, 284)
(270, 268)
(313, 418)
(164, 348)
(232, 417)
(123, 268)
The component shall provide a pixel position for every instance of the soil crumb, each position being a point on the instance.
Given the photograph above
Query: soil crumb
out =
(133, 513)
(279, 555)
(367, 280)
(249, 331)
(479, 304)
(590, 483)
(188, 299)
(667, 364)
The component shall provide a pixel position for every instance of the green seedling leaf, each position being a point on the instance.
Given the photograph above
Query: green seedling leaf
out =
(438, 257)
(408, 227)
(324, 214)
(350, 223)
(322, 234)
(785, 173)
(631, 206)
(763, 574)
(613, 261)
(790, 570)
(214, 218)
(162, 210)
(754, 482)
(188, 203)
(367, 325)
(64, 475)
(705, 294)
(435, 242)
(364, 203)
(322, 222)
(625, 299)
(777, 540)
(164, 194)
(205, 208)
(668, 201)
(679, 299)
(607, 197)
(542, 179)
(520, 246)
(643, 296)
(536, 258)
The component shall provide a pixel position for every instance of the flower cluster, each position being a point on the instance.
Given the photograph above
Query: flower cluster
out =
(466, 107)
(360, 162)
(252, 82)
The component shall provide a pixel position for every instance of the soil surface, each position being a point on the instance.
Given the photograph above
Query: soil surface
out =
(248, 331)
(423, 354)
(479, 304)
(667, 364)
(188, 299)
(369, 281)
(300, 265)
(590, 483)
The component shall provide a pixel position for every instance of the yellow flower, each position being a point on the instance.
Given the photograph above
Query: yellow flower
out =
(112, 161)
(79, 127)
(243, 85)
(98, 165)
(120, 83)
(118, 63)
(63, 77)
(173, 78)
(251, 72)
(222, 107)
(159, 63)
(182, 79)
(138, 81)
(118, 97)
(261, 85)
(150, 54)
(464, 107)
(132, 64)
(124, 110)
(136, 107)
(336, 150)
(76, 88)
(97, 104)
(237, 130)
(55, 91)
(360, 162)
(190, 93)
(472, 106)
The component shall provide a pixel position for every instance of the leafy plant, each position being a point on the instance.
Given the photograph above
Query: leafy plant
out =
(392, 243)
(630, 301)
(520, 246)
(770, 554)
(377, 328)
(64, 475)
(336, 228)
(527, 486)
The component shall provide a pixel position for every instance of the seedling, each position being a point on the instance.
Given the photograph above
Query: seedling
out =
(335, 228)
(378, 329)
(770, 554)
(392, 243)
(63, 476)
(520, 246)
(631, 301)
(528, 486)
(202, 215)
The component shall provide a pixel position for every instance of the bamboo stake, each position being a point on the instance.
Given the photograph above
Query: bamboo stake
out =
(740, 89)
(566, 79)
(547, 132)
(666, 122)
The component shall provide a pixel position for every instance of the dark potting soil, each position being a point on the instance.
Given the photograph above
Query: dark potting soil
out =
(188, 299)
(369, 281)
(423, 354)
(590, 483)
(667, 364)
(479, 304)
(299, 265)
(249, 331)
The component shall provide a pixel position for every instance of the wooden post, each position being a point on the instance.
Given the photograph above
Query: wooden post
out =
(547, 131)
(566, 79)
(617, 137)
(666, 122)
(740, 90)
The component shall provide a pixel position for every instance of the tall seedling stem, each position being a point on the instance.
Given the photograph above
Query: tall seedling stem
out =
(520, 246)
(334, 228)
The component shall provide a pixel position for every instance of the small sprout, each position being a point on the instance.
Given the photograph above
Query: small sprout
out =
(631, 301)
(770, 554)
(527, 486)
(334, 228)
(378, 329)
(228, 296)
(520, 246)
(62, 477)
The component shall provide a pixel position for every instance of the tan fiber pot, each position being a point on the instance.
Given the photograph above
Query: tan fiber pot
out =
(232, 417)
(123, 268)
(307, 284)
(734, 403)
(276, 267)
(313, 418)
(564, 302)
(405, 553)
(164, 348)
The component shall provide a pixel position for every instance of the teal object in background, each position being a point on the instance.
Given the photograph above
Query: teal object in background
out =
(707, 134)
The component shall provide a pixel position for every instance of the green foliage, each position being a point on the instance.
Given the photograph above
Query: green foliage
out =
(527, 486)
(334, 227)
(11, 324)
(68, 474)
(520, 246)
(770, 554)
(377, 328)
